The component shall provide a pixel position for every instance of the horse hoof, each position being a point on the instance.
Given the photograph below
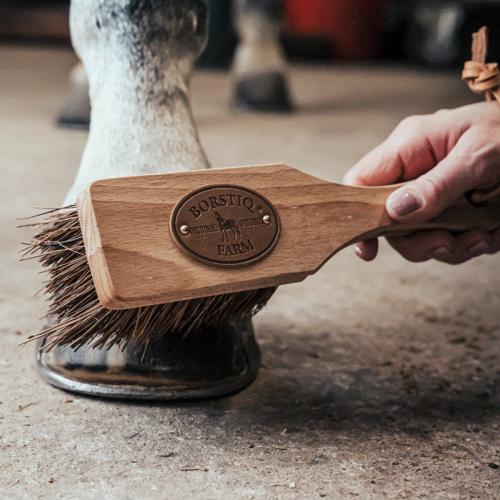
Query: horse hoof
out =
(206, 364)
(264, 92)
(76, 121)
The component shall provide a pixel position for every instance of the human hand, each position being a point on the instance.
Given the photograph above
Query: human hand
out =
(444, 155)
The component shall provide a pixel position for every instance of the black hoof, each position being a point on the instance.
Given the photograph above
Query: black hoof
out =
(75, 113)
(75, 122)
(208, 364)
(265, 92)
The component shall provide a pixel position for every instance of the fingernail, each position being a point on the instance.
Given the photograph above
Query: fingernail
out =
(441, 253)
(477, 249)
(403, 202)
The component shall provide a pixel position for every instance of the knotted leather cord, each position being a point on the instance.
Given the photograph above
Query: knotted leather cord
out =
(482, 78)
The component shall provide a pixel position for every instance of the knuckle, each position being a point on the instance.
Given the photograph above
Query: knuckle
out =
(412, 123)
(441, 114)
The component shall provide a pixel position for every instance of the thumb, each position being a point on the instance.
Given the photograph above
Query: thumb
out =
(427, 196)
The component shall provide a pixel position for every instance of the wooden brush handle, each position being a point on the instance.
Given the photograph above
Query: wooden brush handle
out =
(136, 258)
(480, 209)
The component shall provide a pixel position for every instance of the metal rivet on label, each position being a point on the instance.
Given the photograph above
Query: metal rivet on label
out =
(185, 229)
(266, 219)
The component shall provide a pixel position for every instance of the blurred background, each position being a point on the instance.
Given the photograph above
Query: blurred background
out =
(429, 32)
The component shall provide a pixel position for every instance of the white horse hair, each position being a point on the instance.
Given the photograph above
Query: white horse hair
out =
(138, 56)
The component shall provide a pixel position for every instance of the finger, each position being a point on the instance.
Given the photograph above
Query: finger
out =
(444, 247)
(425, 245)
(414, 147)
(473, 244)
(378, 168)
(426, 197)
(367, 250)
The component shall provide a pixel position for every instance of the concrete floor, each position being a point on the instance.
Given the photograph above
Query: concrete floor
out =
(378, 380)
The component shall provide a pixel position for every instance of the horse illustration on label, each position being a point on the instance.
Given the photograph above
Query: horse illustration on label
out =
(228, 226)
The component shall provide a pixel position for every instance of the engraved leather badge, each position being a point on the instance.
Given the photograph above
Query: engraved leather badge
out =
(225, 225)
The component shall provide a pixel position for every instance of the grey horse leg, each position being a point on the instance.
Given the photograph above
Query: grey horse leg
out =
(259, 65)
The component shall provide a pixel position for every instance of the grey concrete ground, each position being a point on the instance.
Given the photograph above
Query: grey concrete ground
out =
(378, 380)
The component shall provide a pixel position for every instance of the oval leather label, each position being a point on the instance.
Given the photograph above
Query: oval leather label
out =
(225, 225)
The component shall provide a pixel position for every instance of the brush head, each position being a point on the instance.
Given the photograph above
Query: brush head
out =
(75, 315)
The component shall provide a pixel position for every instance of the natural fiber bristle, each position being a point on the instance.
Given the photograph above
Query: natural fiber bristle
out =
(75, 316)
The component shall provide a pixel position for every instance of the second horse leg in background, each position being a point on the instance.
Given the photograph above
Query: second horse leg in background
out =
(259, 66)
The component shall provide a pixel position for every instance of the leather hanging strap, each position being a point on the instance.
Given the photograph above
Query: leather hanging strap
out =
(482, 77)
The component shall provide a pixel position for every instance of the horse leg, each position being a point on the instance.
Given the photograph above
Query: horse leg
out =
(138, 56)
(259, 65)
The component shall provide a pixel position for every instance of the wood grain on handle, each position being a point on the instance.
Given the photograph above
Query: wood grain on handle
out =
(136, 262)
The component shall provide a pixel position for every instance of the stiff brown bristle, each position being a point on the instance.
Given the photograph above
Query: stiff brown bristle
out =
(75, 316)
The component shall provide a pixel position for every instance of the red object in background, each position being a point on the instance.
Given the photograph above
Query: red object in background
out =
(354, 26)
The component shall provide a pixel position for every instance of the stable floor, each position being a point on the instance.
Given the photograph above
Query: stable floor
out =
(378, 380)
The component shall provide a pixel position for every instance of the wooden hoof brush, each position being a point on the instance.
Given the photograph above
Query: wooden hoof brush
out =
(142, 256)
